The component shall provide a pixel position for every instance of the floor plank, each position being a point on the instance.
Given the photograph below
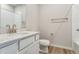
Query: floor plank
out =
(57, 50)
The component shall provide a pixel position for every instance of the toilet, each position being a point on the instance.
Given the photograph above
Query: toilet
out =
(44, 45)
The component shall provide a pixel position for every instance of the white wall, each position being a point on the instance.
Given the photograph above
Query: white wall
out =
(75, 22)
(32, 17)
(63, 36)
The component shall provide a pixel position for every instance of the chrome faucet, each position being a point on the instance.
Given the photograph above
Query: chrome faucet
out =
(11, 30)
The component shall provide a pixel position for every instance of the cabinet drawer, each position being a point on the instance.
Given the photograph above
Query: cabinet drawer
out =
(31, 49)
(25, 42)
(11, 49)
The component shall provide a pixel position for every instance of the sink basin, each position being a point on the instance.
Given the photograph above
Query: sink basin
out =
(12, 35)
(7, 36)
(23, 32)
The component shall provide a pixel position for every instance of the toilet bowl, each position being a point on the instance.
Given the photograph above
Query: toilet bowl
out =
(44, 45)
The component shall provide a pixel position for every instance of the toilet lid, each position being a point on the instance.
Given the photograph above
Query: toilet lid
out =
(44, 42)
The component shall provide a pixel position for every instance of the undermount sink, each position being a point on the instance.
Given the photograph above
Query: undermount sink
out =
(12, 35)
(21, 33)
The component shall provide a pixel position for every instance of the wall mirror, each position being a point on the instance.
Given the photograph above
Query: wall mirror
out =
(12, 14)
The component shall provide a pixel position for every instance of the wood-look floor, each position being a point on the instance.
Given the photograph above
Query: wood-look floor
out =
(57, 50)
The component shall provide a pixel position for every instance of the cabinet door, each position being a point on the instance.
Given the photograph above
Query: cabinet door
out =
(35, 48)
(25, 42)
(11, 49)
(31, 49)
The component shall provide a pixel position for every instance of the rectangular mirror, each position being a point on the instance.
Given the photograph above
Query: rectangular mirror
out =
(12, 14)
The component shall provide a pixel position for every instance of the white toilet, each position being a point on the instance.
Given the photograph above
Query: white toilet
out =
(44, 45)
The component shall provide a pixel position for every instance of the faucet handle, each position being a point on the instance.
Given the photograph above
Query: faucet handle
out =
(14, 25)
(14, 28)
(7, 25)
(9, 29)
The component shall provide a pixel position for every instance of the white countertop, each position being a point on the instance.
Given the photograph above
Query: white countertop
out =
(15, 36)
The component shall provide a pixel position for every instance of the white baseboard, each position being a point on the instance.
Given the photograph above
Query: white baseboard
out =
(61, 46)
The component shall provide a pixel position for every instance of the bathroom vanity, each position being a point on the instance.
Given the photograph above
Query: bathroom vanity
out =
(24, 42)
(19, 43)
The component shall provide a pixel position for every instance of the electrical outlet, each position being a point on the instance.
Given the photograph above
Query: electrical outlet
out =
(51, 34)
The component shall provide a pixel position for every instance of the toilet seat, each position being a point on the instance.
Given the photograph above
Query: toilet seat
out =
(44, 42)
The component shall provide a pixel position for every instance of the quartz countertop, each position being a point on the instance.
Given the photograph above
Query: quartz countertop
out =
(5, 38)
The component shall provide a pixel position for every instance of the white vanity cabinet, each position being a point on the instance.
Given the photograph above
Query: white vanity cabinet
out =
(23, 45)
(9, 49)
(32, 47)
(26, 42)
